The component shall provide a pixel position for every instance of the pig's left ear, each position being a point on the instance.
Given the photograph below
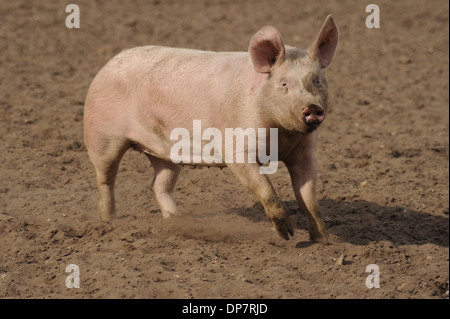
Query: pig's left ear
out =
(266, 49)
(324, 46)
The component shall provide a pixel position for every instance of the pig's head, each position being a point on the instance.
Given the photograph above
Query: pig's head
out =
(295, 93)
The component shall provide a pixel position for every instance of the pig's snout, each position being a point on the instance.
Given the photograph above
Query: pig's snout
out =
(313, 115)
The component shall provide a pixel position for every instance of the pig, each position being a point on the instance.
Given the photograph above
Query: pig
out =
(143, 93)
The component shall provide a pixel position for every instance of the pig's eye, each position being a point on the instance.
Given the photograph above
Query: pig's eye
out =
(283, 83)
(284, 86)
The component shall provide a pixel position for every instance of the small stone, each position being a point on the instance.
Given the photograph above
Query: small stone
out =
(340, 260)
(401, 287)
(364, 184)
(404, 59)
(128, 247)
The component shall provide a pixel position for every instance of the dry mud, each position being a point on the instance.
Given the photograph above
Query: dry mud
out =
(383, 160)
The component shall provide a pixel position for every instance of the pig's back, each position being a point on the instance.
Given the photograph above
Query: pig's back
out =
(179, 67)
(145, 92)
(186, 80)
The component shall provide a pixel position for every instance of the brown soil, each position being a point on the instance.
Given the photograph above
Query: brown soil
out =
(383, 160)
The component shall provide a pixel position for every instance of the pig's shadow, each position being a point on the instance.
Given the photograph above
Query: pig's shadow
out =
(363, 222)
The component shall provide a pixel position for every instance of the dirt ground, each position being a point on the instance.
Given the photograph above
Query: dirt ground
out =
(383, 157)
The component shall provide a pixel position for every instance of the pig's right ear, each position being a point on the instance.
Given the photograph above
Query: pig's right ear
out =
(266, 49)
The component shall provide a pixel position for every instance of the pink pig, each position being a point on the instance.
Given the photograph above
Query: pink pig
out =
(142, 94)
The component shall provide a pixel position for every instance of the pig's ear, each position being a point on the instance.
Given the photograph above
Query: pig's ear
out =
(324, 46)
(266, 49)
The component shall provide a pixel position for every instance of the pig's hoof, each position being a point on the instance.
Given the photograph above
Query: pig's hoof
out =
(320, 238)
(107, 217)
(167, 214)
(284, 227)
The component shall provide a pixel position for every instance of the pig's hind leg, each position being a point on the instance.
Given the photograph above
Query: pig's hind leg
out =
(106, 153)
(166, 174)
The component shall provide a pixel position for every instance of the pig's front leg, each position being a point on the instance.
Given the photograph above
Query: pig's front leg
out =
(303, 170)
(261, 187)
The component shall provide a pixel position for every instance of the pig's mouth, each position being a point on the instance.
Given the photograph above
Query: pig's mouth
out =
(311, 127)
